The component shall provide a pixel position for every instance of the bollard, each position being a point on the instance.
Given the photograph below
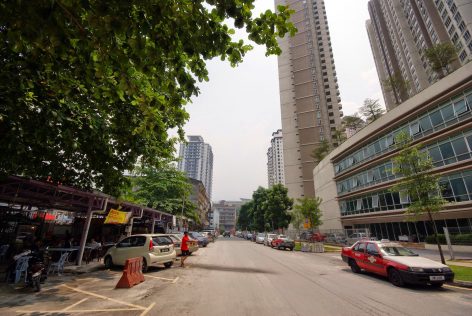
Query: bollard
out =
(132, 273)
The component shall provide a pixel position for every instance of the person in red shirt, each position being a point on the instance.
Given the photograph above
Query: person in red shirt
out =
(184, 248)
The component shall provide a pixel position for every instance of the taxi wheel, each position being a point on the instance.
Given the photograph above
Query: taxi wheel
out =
(395, 277)
(145, 266)
(354, 267)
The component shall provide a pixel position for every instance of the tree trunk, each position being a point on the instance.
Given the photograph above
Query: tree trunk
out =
(436, 237)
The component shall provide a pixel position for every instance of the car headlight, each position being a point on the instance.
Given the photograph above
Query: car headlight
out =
(446, 269)
(415, 269)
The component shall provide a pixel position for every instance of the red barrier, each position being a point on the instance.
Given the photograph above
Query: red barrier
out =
(132, 273)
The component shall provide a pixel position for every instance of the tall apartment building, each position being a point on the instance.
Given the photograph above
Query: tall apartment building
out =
(401, 31)
(196, 160)
(309, 95)
(275, 160)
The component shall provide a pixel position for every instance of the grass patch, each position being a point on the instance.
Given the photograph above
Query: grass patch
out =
(332, 248)
(462, 273)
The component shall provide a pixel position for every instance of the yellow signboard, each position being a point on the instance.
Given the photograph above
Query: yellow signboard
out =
(117, 217)
(307, 223)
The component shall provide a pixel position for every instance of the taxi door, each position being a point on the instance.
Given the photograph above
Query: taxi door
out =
(359, 254)
(373, 261)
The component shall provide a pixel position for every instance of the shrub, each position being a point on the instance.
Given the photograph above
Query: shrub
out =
(458, 239)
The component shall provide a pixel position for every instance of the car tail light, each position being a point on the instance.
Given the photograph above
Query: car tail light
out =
(151, 245)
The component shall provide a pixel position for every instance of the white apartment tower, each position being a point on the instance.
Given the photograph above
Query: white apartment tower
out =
(309, 95)
(196, 160)
(400, 32)
(275, 159)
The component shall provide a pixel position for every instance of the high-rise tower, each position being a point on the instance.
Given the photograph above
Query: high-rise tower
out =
(196, 160)
(401, 31)
(275, 159)
(309, 95)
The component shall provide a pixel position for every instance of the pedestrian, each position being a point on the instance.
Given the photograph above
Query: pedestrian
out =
(184, 249)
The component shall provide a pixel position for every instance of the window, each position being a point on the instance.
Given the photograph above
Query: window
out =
(125, 243)
(425, 123)
(375, 201)
(435, 155)
(404, 197)
(414, 128)
(447, 152)
(360, 247)
(460, 107)
(358, 205)
(436, 118)
(461, 149)
(459, 190)
(372, 249)
(447, 112)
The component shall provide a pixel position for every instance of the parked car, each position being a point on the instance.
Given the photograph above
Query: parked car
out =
(202, 240)
(358, 236)
(208, 235)
(249, 236)
(226, 234)
(336, 238)
(177, 240)
(268, 239)
(310, 236)
(396, 262)
(283, 242)
(153, 248)
(260, 238)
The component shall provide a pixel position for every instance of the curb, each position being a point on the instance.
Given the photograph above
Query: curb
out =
(464, 284)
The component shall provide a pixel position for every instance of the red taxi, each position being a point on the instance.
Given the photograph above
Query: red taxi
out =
(396, 262)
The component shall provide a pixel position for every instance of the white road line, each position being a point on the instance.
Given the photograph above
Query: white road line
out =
(147, 309)
(175, 280)
(75, 304)
(160, 278)
(82, 311)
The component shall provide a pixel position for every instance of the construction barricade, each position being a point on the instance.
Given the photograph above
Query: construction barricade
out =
(132, 273)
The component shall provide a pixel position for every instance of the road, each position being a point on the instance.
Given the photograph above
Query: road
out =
(237, 277)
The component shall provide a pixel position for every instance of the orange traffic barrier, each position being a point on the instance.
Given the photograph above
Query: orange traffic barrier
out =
(132, 273)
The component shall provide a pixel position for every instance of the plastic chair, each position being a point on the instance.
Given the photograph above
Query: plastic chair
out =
(59, 265)
(21, 266)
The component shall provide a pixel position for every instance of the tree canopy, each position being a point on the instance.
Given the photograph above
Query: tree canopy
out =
(88, 88)
(440, 56)
(308, 209)
(371, 110)
(321, 151)
(165, 188)
(398, 85)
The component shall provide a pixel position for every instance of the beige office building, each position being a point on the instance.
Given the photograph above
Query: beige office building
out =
(400, 32)
(309, 95)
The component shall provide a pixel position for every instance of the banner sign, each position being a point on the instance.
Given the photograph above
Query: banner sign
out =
(117, 217)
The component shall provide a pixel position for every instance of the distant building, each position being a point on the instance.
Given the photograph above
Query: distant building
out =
(401, 31)
(227, 213)
(275, 160)
(200, 198)
(196, 160)
(309, 94)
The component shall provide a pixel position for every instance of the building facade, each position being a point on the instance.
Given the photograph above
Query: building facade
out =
(401, 31)
(275, 160)
(309, 95)
(226, 213)
(196, 160)
(355, 179)
(200, 198)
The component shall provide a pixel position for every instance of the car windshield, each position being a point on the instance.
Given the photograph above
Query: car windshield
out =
(271, 235)
(260, 235)
(282, 236)
(396, 251)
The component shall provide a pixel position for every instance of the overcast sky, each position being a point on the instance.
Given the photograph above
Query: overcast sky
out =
(239, 108)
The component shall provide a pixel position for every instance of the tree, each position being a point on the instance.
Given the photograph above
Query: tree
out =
(440, 56)
(418, 183)
(371, 110)
(339, 136)
(353, 121)
(259, 198)
(244, 221)
(310, 209)
(164, 188)
(276, 207)
(398, 85)
(88, 88)
(297, 219)
(321, 151)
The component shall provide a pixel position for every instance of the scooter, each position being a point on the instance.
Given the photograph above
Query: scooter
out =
(37, 270)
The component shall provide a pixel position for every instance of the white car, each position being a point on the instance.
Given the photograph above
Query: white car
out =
(260, 238)
(177, 239)
(153, 248)
(268, 239)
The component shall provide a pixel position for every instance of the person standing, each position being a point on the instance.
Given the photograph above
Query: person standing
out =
(184, 249)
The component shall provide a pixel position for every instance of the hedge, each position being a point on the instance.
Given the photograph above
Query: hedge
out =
(459, 239)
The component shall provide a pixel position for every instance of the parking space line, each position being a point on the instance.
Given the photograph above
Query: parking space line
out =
(75, 304)
(81, 311)
(175, 280)
(103, 297)
(147, 309)
(161, 278)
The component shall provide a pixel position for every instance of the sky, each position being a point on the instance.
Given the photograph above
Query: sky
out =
(239, 108)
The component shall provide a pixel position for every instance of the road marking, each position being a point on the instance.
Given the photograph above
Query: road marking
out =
(147, 309)
(103, 297)
(175, 280)
(161, 278)
(75, 304)
(457, 287)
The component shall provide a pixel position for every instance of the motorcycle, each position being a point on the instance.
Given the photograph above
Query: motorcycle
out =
(37, 272)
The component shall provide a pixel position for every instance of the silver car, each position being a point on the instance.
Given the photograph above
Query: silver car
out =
(260, 238)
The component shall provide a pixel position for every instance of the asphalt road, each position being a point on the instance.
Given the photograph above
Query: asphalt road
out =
(237, 277)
